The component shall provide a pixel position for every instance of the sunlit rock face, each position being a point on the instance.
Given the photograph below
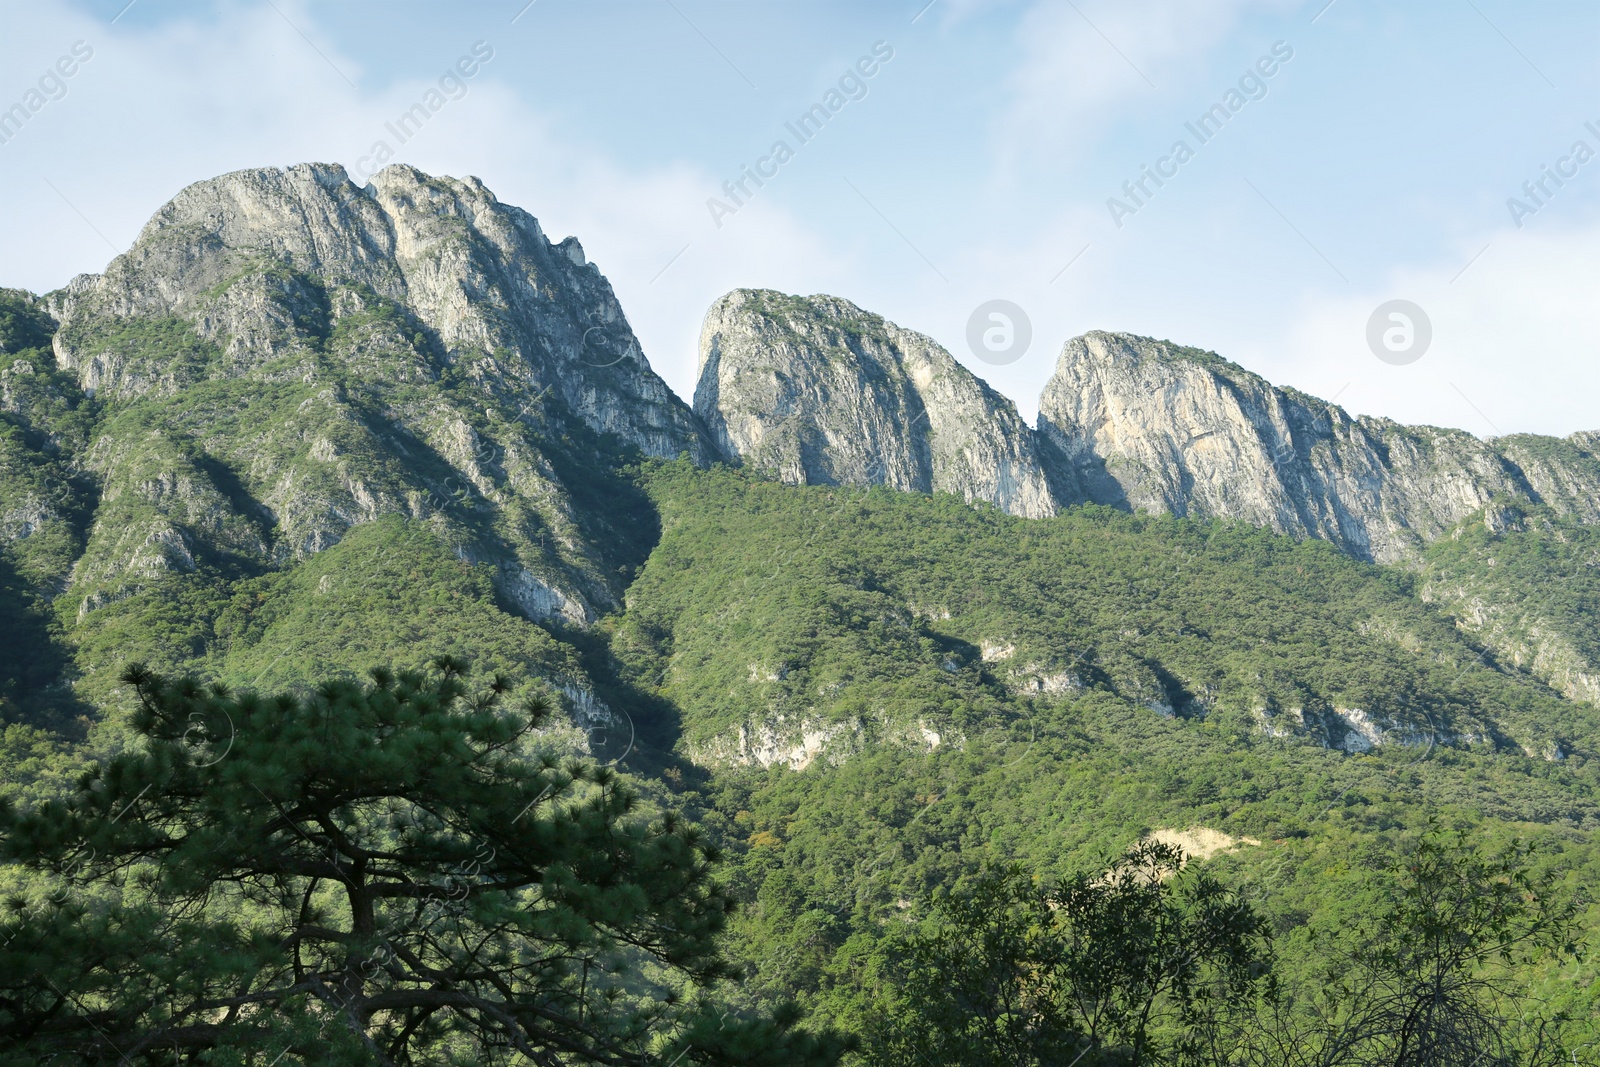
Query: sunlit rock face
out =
(816, 391)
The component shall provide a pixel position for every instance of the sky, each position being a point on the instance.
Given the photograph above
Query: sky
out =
(1357, 153)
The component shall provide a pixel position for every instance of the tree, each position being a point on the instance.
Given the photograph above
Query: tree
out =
(1139, 964)
(386, 873)
(979, 985)
(1159, 958)
(1439, 976)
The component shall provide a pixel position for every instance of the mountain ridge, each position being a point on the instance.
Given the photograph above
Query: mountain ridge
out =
(1124, 420)
(1119, 424)
(818, 391)
(284, 356)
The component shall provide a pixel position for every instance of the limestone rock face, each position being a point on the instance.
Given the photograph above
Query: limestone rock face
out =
(284, 354)
(254, 259)
(1152, 426)
(816, 391)
(1561, 472)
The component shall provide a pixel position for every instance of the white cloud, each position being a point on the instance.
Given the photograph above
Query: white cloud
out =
(1516, 338)
(1082, 63)
(155, 110)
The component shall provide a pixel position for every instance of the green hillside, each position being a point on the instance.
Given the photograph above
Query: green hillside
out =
(869, 613)
(866, 698)
(765, 601)
(1526, 583)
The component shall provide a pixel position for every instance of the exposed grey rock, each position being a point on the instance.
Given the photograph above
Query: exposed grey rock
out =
(816, 391)
(488, 286)
(283, 354)
(1152, 426)
(1561, 472)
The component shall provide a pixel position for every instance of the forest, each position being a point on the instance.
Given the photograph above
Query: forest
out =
(835, 775)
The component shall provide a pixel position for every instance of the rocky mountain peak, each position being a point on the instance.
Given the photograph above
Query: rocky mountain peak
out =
(1144, 424)
(283, 355)
(254, 260)
(814, 390)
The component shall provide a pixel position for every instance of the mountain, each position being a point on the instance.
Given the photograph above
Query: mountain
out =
(286, 365)
(815, 391)
(284, 357)
(304, 427)
(1152, 426)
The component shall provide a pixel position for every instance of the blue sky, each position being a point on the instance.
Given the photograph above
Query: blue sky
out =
(977, 165)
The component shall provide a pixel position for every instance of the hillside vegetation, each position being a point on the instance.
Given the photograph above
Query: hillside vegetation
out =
(319, 557)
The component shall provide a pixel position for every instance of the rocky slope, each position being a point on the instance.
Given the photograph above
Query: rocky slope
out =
(341, 353)
(1148, 425)
(818, 392)
(260, 260)
(814, 390)
(192, 440)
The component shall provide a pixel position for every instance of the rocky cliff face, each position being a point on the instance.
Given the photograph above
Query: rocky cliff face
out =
(257, 261)
(284, 354)
(816, 391)
(1148, 425)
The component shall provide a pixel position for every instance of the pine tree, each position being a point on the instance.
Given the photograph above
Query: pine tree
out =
(387, 873)
(1439, 976)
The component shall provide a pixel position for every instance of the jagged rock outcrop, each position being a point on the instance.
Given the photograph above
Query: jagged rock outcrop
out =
(284, 354)
(816, 391)
(1563, 473)
(254, 259)
(1149, 425)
